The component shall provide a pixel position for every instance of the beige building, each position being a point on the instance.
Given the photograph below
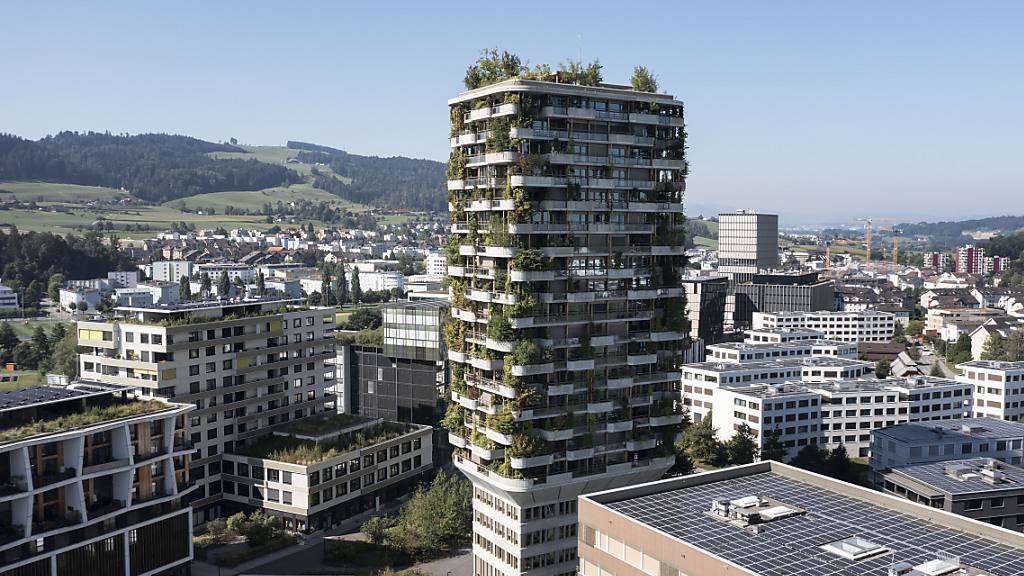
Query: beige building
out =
(998, 388)
(248, 367)
(768, 519)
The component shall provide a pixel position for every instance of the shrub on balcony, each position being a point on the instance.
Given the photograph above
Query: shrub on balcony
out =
(503, 422)
(454, 420)
(482, 441)
(522, 209)
(525, 306)
(451, 251)
(529, 259)
(457, 113)
(455, 335)
(526, 446)
(526, 397)
(499, 138)
(504, 468)
(497, 232)
(643, 80)
(456, 165)
(498, 326)
(474, 225)
(527, 352)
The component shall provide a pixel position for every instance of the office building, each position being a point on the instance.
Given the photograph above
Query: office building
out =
(92, 481)
(247, 366)
(382, 280)
(782, 335)
(8, 297)
(998, 388)
(435, 264)
(317, 472)
(705, 306)
(865, 326)
(748, 243)
(742, 352)
(979, 488)
(782, 292)
(770, 519)
(566, 253)
(922, 442)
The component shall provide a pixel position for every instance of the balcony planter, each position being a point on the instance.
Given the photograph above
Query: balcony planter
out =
(576, 365)
(456, 184)
(499, 252)
(621, 426)
(557, 251)
(487, 453)
(560, 389)
(669, 420)
(530, 462)
(479, 295)
(636, 445)
(467, 250)
(579, 454)
(617, 383)
(457, 356)
(500, 345)
(555, 435)
(535, 275)
(503, 439)
(580, 297)
(519, 323)
(641, 400)
(666, 336)
(464, 401)
(485, 363)
(459, 271)
(599, 407)
(532, 369)
(641, 359)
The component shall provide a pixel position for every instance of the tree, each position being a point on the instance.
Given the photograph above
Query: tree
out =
(882, 369)
(64, 359)
(701, 442)
(898, 335)
(936, 370)
(773, 448)
(810, 457)
(357, 291)
(684, 464)
(54, 285)
(643, 80)
(261, 284)
(436, 519)
(364, 319)
(223, 285)
(41, 342)
(342, 287)
(995, 347)
(184, 289)
(205, 284)
(915, 328)
(960, 352)
(837, 465)
(8, 338)
(377, 527)
(1015, 346)
(326, 294)
(32, 294)
(742, 447)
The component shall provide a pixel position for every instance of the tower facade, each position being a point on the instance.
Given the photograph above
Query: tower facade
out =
(568, 313)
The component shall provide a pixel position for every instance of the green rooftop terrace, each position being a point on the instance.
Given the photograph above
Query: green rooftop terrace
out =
(306, 452)
(318, 426)
(88, 417)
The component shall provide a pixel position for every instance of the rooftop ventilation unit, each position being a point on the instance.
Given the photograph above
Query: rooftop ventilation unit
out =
(991, 475)
(959, 471)
(944, 564)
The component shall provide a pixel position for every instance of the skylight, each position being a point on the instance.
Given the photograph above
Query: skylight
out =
(854, 548)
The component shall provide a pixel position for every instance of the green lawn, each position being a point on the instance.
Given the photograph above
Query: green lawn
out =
(25, 380)
(254, 200)
(276, 155)
(702, 241)
(25, 328)
(50, 192)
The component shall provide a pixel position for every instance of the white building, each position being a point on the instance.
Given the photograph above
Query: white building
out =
(168, 292)
(865, 326)
(123, 278)
(436, 264)
(171, 270)
(378, 281)
(8, 297)
(748, 242)
(740, 352)
(133, 296)
(998, 388)
(91, 297)
(234, 270)
(779, 335)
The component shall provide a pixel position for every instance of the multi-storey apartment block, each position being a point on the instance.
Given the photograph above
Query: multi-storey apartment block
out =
(778, 335)
(936, 260)
(969, 259)
(247, 366)
(92, 482)
(865, 326)
(741, 352)
(565, 260)
(998, 388)
(319, 471)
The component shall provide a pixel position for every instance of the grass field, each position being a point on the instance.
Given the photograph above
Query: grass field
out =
(158, 218)
(254, 200)
(50, 192)
(275, 155)
(25, 380)
(708, 242)
(24, 328)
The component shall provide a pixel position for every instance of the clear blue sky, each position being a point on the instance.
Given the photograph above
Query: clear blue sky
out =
(820, 111)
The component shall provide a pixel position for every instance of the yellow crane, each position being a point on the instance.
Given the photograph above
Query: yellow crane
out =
(895, 244)
(867, 236)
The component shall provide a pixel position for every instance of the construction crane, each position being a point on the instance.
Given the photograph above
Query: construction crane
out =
(867, 236)
(895, 244)
(828, 254)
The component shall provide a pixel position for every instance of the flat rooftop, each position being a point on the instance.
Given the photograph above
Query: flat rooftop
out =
(40, 395)
(809, 362)
(892, 530)
(792, 344)
(209, 305)
(936, 479)
(993, 365)
(957, 429)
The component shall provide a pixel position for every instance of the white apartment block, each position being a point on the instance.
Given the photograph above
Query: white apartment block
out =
(247, 366)
(866, 326)
(8, 297)
(748, 242)
(234, 270)
(998, 388)
(700, 380)
(171, 270)
(378, 281)
(90, 297)
(124, 278)
(436, 264)
(740, 352)
(791, 410)
(781, 335)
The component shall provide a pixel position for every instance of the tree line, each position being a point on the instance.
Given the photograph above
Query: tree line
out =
(154, 167)
(54, 352)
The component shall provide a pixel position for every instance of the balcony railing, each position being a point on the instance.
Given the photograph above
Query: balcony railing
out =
(52, 477)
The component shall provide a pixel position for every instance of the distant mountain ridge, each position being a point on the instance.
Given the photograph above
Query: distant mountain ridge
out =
(946, 232)
(163, 167)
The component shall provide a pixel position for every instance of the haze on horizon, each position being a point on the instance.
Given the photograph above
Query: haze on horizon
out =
(818, 111)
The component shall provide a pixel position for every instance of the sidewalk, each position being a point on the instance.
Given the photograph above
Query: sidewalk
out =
(349, 526)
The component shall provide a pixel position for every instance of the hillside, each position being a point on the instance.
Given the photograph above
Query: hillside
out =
(153, 167)
(948, 234)
(384, 182)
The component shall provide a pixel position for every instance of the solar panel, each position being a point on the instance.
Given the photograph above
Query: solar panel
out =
(791, 546)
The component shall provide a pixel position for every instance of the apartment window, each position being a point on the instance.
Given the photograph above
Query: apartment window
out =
(972, 505)
(193, 370)
(286, 497)
(211, 367)
(996, 502)
(273, 495)
(257, 472)
(286, 477)
(273, 475)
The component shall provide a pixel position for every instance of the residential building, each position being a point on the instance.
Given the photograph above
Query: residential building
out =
(8, 298)
(782, 335)
(435, 264)
(998, 327)
(921, 442)
(949, 323)
(171, 270)
(247, 366)
(123, 278)
(866, 326)
(317, 472)
(81, 298)
(138, 296)
(782, 292)
(741, 352)
(567, 305)
(936, 260)
(969, 259)
(768, 519)
(979, 488)
(998, 388)
(705, 306)
(243, 272)
(384, 280)
(163, 292)
(93, 482)
(995, 264)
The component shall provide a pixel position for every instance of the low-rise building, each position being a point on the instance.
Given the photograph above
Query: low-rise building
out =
(979, 488)
(769, 519)
(920, 442)
(864, 326)
(243, 272)
(8, 298)
(938, 319)
(80, 298)
(318, 472)
(92, 482)
(998, 388)
(740, 352)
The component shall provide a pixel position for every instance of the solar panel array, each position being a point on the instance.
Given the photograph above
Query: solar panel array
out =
(934, 475)
(29, 396)
(791, 546)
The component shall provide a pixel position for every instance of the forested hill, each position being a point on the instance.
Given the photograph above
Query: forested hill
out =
(394, 182)
(950, 233)
(154, 167)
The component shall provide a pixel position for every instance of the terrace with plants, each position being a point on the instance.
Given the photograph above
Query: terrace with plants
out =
(308, 452)
(88, 417)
